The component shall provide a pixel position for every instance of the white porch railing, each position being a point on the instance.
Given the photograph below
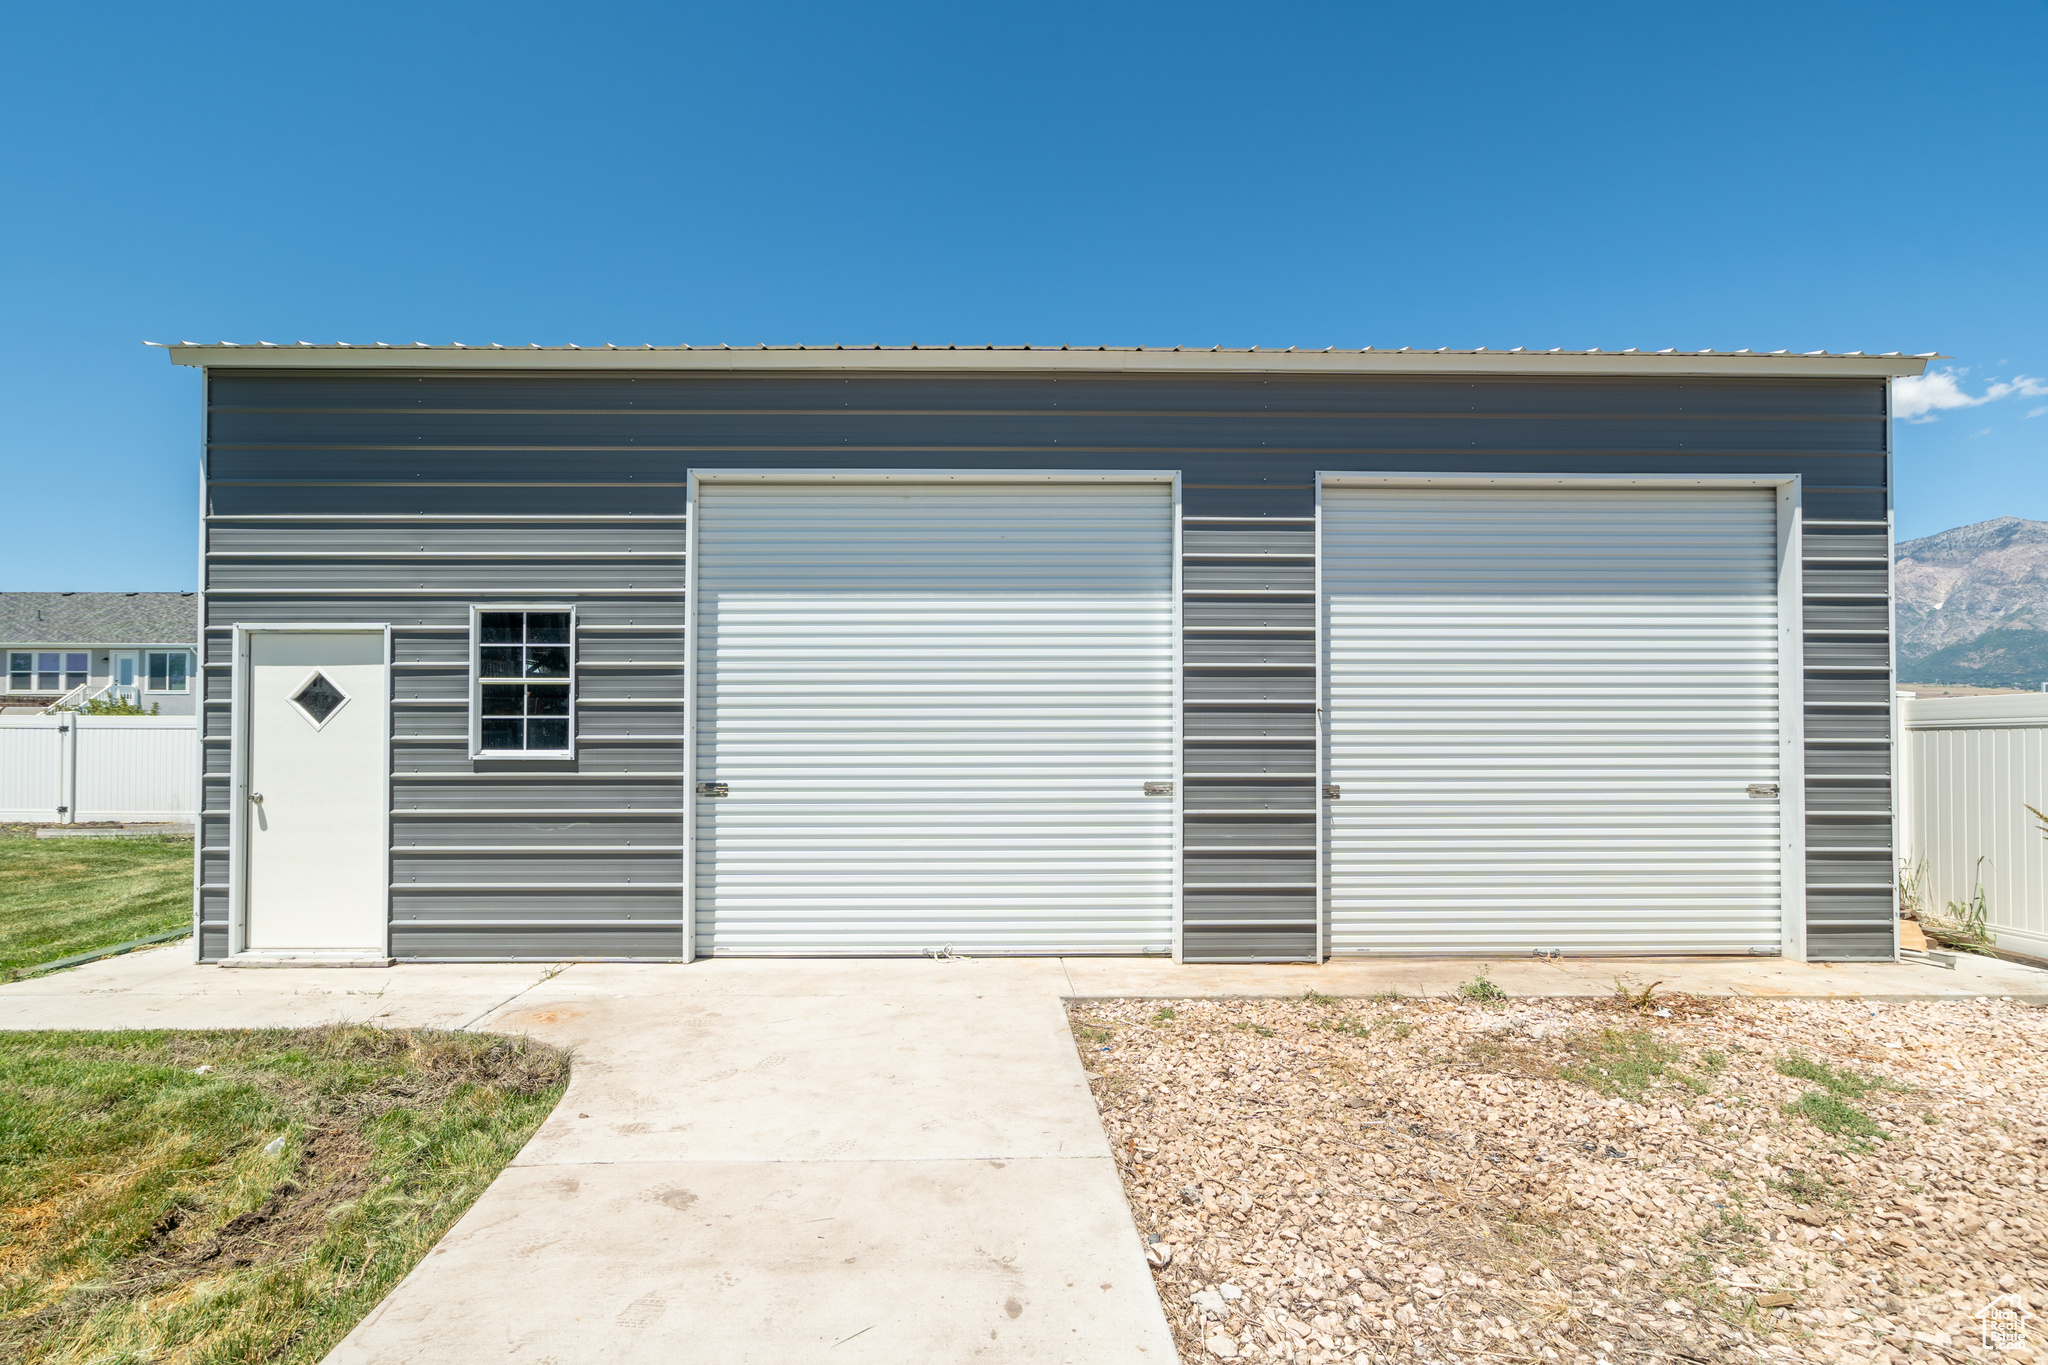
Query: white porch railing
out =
(81, 694)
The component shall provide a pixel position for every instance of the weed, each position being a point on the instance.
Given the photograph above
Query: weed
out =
(1163, 1015)
(1384, 997)
(1091, 1032)
(1398, 1031)
(1734, 1225)
(1722, 1174)
(1319, 1000)
(1627, 1063)
(1482, 987)
(1913, 889)
(1350, 1025)
(1637, 1000)
(1715, 1062)
(1962, 924)
(1930, 1119)
(1835, 1117)
(1259, 1029)
(1802, 1185)
(1852, 1084)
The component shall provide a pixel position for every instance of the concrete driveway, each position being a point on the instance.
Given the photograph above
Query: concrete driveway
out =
(782, 1161)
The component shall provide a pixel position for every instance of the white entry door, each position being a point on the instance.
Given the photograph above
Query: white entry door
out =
(124, 668)
(934, 709)
(315, 822)
(1547, 709)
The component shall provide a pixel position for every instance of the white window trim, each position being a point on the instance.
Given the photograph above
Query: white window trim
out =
(292, 699)
(477, 752)
(142, 675)
(34, 672)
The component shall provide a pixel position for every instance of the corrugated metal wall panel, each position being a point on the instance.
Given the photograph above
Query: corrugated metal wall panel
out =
(769, 394)
(1544, 708)
(1249, 722)
(414, 538)
(654, 607)
(1248, 446)
(326, 497)
(936, 707)
(1261, 797)
(1823, 724)
(1240, 906)
(483, 536)
(466, 578)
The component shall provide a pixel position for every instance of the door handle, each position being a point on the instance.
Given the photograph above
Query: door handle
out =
(257, 797)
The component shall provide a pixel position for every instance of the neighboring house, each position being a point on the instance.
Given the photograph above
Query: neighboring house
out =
(69, 646)
(550, 653)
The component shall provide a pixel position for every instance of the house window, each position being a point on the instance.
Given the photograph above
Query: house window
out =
(168, 670)
(524, 689)
(46, 670)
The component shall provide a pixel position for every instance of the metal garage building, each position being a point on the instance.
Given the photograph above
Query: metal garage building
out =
(1235, 655)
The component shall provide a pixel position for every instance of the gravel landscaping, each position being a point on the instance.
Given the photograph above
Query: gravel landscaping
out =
(1646, 1178)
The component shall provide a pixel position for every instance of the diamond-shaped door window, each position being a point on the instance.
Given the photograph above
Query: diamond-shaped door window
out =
(318, 699)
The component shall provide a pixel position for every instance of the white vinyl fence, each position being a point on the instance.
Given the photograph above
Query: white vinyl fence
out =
(70, 769)
(1971, 767)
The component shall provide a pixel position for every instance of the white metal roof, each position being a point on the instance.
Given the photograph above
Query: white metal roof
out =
(1215, 359)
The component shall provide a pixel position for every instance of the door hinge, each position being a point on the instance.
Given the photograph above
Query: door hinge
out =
(713, 789)
(1331, 791)
(1158, 789)
(1763, 790)
(62, 809)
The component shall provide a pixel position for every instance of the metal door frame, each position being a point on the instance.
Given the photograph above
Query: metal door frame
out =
(1791, 645)
(696, 477)
(240, 742)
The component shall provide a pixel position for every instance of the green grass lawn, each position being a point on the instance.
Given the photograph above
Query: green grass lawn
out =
(59, 897)
(255, 1212)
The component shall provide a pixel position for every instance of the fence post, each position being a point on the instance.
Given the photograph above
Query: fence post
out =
(67, 768)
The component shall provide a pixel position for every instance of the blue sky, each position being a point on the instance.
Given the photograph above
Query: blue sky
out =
(1856, 176)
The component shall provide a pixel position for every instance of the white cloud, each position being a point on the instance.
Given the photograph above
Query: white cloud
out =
(1920, 398)
(2036, 412)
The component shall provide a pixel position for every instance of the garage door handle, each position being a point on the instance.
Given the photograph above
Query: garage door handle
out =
(257, 797)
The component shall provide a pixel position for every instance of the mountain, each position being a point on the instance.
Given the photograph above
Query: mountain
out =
(1997, 658)
(1973, 605)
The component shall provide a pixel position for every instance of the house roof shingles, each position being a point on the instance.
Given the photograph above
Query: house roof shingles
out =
(98, 618)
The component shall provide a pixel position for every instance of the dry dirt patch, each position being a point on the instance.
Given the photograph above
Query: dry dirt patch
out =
(1585, 1181)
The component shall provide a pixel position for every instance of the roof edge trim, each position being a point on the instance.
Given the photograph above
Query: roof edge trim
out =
(468, 359)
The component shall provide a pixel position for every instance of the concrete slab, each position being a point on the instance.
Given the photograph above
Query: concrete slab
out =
(1152, 978)
(778, 1262)
(165, 988)
(881, 1076)
(796, 1160)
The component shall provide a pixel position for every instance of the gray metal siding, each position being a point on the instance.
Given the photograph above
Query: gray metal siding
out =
(463, 489)
(494, 859)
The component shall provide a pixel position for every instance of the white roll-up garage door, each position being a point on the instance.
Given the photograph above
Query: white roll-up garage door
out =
(935, 708)
(1545, 708)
